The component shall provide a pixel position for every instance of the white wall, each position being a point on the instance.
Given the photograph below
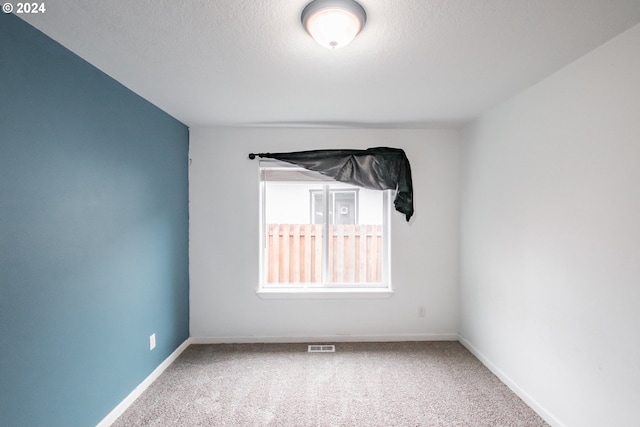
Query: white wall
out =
(550, 252)
(224, 192)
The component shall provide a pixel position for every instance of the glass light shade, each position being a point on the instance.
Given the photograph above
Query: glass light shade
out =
(333, 24)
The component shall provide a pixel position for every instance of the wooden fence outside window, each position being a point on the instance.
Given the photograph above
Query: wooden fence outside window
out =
(294, 253)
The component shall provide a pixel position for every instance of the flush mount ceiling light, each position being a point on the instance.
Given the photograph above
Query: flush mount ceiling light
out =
(333, 23)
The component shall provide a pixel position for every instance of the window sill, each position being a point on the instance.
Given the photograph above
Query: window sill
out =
(332, 293)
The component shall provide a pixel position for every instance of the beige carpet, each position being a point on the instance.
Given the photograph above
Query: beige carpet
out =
(361, 384)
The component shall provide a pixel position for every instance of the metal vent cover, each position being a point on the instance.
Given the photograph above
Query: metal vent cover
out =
(321, 348)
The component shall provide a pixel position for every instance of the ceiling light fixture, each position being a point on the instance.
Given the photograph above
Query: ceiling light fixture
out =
(333, 23)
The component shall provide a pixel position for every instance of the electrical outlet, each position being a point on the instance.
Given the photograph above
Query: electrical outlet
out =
(152, 342)
(421, 311)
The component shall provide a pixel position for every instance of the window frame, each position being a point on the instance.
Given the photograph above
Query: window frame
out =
(325, 289)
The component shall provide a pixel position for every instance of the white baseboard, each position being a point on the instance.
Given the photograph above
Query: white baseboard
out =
(540, 410)
(322, 338)
(122, 406)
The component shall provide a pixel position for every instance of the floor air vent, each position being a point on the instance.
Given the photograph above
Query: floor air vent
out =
(322, 349)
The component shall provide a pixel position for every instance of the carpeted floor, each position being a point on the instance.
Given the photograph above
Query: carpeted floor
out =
(361, 384)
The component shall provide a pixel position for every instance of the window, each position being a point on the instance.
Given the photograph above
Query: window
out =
(343, 205)
(317, 233)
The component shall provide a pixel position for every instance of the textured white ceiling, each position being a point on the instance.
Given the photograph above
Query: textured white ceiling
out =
(249, 62)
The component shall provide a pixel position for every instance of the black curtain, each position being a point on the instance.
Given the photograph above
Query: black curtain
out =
(380, 168)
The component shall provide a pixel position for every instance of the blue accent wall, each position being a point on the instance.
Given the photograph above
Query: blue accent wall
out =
(93, 235)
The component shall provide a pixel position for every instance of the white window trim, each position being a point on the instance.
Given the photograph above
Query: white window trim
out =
(325, 290)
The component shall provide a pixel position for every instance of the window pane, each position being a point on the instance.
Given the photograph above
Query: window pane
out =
(294, 245)
(356, 239)
(319, 232)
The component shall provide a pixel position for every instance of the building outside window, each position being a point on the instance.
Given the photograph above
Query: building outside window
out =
(342, 209)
